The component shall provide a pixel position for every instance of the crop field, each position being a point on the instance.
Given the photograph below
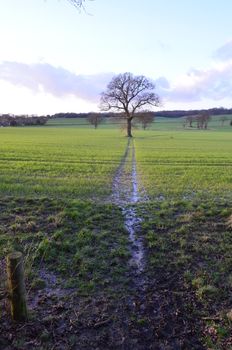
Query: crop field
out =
(185, 164)
(57, 206)
(59, 162)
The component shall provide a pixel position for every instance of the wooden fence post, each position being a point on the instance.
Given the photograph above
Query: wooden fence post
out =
(16, 285)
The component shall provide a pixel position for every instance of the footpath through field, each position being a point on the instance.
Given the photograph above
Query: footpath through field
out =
(162, 322)
(125, 195)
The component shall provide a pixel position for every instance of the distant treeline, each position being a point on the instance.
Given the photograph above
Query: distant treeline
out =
(183, 113)
(22, 120)
(94, 118)
(166, 114)
(81, 115)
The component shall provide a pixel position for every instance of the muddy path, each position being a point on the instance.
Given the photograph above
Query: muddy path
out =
(126, 196)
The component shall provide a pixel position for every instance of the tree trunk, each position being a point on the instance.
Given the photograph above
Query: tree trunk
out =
(129, 134)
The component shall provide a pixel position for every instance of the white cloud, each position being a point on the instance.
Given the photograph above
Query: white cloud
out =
(213, 83)
(21, 100)
(57, 81)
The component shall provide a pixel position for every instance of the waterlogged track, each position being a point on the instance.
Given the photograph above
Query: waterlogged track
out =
(126, 195)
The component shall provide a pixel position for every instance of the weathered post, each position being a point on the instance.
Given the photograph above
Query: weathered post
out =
(16, 285)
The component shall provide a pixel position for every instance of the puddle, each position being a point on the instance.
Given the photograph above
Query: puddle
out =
(50, 292)
(132, 223)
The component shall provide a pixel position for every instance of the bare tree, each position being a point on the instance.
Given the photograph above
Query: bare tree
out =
(223, 119)
(129, 94)
(203, 120)
(77, 3)
(145, 119)
(94, 119)
(190, 120)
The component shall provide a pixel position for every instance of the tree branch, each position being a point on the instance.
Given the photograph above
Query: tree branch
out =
(78, 4)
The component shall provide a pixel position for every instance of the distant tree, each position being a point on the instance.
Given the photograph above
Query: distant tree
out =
(223, 119)
(231, 123)
(199, 122)
(94, 119)
(206, 118)
(41, 120)
(129, 94)
(203, 120)
(146, 119)
(190, 119)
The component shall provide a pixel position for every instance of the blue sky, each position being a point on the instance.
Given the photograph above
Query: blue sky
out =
(56, 59)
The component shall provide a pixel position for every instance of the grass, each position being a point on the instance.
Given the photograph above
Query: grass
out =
(184, 163)
(55, 207)
(59, 161)
(189, 254)
(74, 239)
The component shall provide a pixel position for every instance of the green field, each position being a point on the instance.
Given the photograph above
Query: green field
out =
(186, 164)
(73, 162)
(65, 158)
(56, 207)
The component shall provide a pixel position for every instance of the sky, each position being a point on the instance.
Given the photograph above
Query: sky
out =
(54, 58)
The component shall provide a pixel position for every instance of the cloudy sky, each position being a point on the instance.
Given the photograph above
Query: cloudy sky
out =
(56, 59)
